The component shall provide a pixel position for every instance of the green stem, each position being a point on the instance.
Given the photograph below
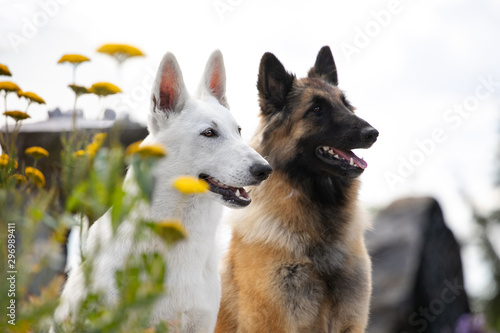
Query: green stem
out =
(74, 74)
(15, 132)
(101, 109)
(74, 113)
(2, 143)
(82, 257)
(6, 125)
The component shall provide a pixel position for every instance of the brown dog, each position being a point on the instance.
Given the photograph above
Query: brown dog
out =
(297, 260)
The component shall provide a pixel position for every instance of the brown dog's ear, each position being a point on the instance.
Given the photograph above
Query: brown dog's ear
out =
(213, 81)
(325, 66)
(169, 92)
(274, 84)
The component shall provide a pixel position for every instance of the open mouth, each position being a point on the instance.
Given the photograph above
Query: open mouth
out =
(347, 160)
(233, 195)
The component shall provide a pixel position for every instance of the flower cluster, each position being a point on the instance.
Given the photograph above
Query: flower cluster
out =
(7, 137)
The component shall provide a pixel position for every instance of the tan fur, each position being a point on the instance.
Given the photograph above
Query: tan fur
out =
(270, 233)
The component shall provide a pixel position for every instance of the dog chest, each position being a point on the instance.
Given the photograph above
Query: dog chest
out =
(314, 288)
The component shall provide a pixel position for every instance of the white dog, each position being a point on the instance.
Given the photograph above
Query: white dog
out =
(202, 140)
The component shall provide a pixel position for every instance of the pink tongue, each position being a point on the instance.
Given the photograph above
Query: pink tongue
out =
(348, 155)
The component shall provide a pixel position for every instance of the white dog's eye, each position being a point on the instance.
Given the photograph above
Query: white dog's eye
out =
(239, 130)
(209, 132)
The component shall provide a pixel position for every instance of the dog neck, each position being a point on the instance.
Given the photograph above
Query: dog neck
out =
(284, 213)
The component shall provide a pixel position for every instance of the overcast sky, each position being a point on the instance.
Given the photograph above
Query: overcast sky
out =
(425, 73)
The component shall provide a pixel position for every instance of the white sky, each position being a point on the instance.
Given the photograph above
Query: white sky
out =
(426, 58)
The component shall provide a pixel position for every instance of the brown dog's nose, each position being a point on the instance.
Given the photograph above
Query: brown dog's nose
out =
(369, 134)
(261, 171)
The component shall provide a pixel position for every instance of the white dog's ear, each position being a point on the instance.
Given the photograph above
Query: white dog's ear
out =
(213, 81)
(169, 92)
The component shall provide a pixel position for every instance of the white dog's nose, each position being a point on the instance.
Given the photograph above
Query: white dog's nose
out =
(261, 171)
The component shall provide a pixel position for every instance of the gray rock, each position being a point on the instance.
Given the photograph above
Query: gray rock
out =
(417, 270)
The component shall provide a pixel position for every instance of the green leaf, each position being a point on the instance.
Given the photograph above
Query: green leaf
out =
(143, 174)
(118, 211)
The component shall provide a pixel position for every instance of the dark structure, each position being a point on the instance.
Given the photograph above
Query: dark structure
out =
(48, 134)
(418, 282)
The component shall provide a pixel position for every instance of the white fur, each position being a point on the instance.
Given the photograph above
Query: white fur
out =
(192, 282)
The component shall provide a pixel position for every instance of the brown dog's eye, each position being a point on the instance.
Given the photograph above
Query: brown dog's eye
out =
(209, 132)
(317, 110)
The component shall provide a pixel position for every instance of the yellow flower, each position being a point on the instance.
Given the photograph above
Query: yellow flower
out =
(120, 52)
(79, 153)
(5, 160)
(9, 86)
(99, 139)
(132, 148)
(35, 175)
(19, 179)
(74, 59)
(32, 97)
(92, 149)
(36, 152)
(16, 115)
(190, 185)
(96, 143)
(4, 70)
(171, 224)
(169, 230)
(104, 89)
(154, 150)
(78, 90)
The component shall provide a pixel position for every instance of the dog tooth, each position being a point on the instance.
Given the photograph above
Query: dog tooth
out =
(351, 162)
(336, 156)
(238, 193)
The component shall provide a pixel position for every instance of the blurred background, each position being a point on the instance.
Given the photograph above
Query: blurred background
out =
(425, 73)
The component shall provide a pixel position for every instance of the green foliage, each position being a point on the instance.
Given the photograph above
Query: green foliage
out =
(491, 304)
(100, 186)
(139, 284)
(486, 226)
(92, 184)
